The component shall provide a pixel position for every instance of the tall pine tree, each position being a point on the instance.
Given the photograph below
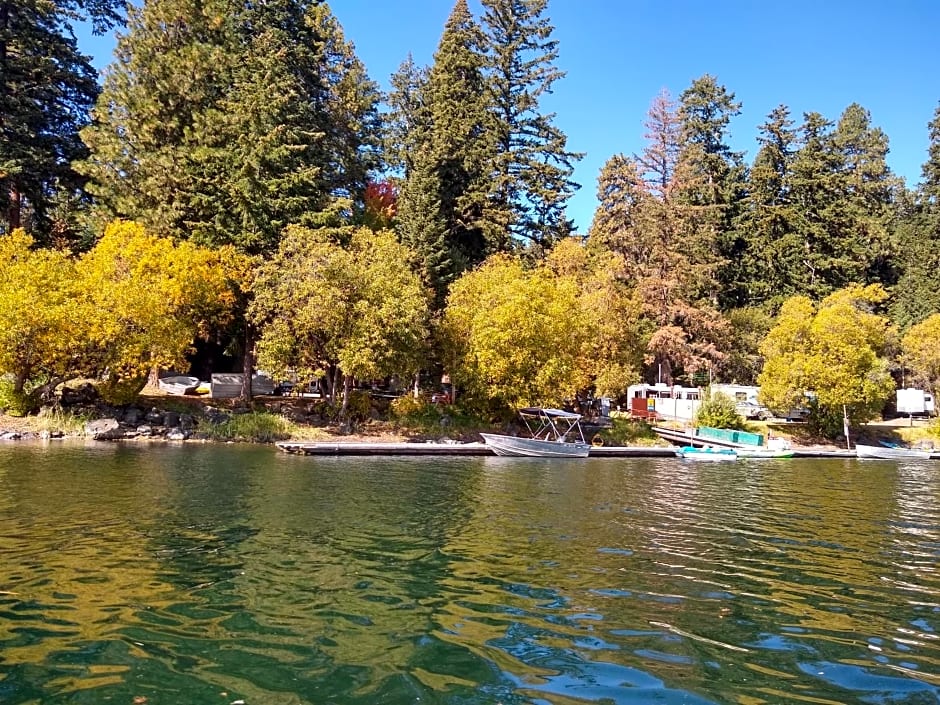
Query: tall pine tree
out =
(713, 181)
(531, 174)
(917, 294)
(443, 195)
(47, 88)
(224, 121)
(771, 263)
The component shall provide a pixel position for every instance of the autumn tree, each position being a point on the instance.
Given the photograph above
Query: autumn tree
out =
(353, 312)
(514, 337)
(47, 88)
(147, 300)
(39, 310)
(645, 215)
(546, 334)
(133, 302)
(920, 353)
(837, 352)
(609, 308)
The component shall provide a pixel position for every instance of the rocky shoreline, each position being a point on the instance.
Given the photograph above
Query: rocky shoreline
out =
(117, 423)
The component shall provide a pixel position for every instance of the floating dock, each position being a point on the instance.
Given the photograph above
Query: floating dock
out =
(321, 448)
(481, 449)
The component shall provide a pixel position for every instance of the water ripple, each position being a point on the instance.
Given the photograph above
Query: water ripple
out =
(222, 574)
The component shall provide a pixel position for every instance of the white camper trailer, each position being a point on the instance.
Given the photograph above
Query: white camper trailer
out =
(914, 402)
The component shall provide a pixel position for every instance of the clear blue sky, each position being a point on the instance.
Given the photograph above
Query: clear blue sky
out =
(811, 55)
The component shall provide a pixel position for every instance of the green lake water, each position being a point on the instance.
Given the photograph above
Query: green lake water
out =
(217, 574)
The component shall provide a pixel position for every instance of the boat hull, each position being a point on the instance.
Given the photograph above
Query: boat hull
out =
(513, 446)
(763, 453)
(179, 385)
(708, 455)
(884, 453)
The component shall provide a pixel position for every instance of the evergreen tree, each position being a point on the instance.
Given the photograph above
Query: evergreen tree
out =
(224, 122)
(47, 88)
(930, 188)
(621, 194)
(771, 263)
(713, 180)
(444, 192)
(917, 295)
(867, 191)
(407, 122)
(826, 264)
(531, 175)
(844, 192)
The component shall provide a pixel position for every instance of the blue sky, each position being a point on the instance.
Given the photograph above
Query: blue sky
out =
(810, 55)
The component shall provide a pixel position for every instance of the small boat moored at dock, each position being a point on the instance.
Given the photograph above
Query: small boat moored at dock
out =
(891, 453)
(707, 454)
(549, 429)
(765, 453)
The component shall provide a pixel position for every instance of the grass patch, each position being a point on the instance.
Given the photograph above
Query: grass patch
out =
(253, 427)
(59, 421)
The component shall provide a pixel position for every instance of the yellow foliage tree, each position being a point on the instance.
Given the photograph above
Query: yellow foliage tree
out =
(358, 311)
(522, 337)
(837, 351)
(133, 302)
(613, 353)
(147, 299)
(920, 352)
(39, 311)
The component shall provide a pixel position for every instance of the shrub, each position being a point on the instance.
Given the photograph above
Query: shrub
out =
(120, 391)
(16, 403)
(416, 408)
(718, 411)
(359, 406)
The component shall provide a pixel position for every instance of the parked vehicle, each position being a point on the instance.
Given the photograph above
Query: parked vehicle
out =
(751, 410)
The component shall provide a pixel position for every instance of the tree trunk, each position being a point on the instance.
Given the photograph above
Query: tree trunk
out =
(336, 378)
(248, 365)
(14, 206)
(347, 389)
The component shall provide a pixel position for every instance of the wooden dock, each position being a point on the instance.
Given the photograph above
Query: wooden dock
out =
(444, 449)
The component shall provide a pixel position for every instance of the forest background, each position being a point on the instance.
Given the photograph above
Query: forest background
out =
(238, 177)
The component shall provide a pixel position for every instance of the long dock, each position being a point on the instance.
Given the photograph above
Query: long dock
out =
(480, 449)
(321, 448)
(468, 449)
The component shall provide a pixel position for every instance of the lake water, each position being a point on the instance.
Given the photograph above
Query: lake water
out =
(217, 574)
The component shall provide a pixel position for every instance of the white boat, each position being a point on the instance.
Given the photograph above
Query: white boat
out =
(707, 454)
(179, 385)
(764, 453)
(549, 430)
(893, 453)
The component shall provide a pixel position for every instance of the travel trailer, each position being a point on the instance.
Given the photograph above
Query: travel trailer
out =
(662, 401)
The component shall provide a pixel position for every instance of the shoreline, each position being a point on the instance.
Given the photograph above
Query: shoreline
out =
(162, 418)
